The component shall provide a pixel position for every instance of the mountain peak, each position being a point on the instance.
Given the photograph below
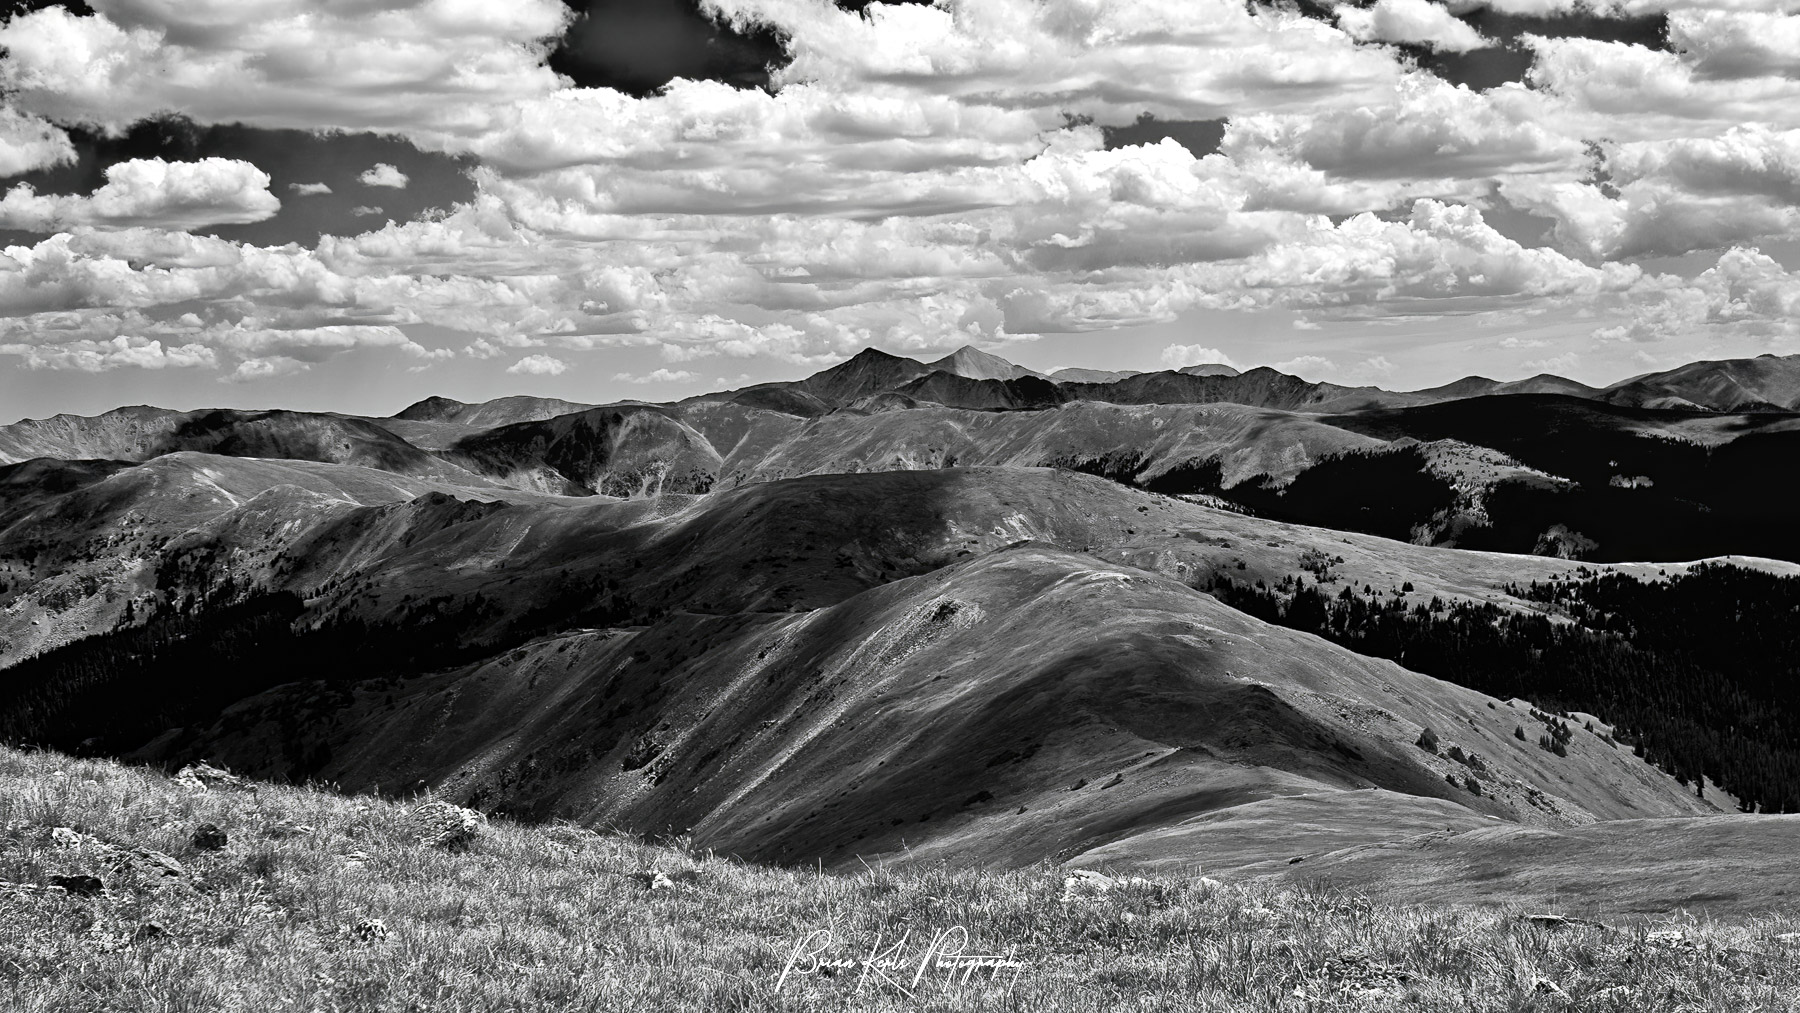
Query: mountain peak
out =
(974, 364)
(867, 372)
(873, 354)
(432, 409)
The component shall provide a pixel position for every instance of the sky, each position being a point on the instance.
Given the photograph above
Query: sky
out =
(349, 205)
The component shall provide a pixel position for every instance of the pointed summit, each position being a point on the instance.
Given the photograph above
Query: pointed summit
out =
(975, 364)
(867, 372)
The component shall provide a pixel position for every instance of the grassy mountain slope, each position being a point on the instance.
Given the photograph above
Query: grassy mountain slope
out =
(965, 713)
(72, 562)
(626, 612)
(1767, 383)
(613, 451)
(326, 897)
(503, 411)
(1642, 865)
(122, 434)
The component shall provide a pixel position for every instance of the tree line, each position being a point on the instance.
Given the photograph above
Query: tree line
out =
(1699, 673)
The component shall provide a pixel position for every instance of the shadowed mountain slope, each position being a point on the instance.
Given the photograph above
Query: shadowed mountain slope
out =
(1635, 483)
(960, 714)
(622, 451)
(787, 667)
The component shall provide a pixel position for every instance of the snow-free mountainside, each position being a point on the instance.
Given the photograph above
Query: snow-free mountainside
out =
(1491, 642)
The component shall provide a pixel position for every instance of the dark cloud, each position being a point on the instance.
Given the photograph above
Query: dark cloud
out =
(637, 46)
(288, 156)
(13, 8)
(1198, 136)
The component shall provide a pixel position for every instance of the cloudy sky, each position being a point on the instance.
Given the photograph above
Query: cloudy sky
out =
(351, 204)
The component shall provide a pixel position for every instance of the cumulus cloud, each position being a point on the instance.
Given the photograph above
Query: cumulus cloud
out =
(1370, 370)
(1416, 21)
(657, 376)
(921, 174)
(431, 68)
(105, 355)
(1633, 93)
(309, 189)
(1426, 130)
(28, 142)
(1745, 293)
(1307, 367)
(1177, 356)
(150, 192)
(1441, 252)
(1193, 59)
(1735, 44)
(383, 174)
(1557, 364)
(538, 365)
(242, 348)
(1746, 160)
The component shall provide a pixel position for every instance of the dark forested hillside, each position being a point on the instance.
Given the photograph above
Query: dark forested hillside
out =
(1701, 671)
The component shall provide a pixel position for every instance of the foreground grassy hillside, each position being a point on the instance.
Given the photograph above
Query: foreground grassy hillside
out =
(304, 900)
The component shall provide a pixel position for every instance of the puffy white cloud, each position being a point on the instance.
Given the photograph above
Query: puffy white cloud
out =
(1177, 356)
(1415, 21)
(99, 356)
(383, 174)
(28, 143)
(245, 348)
(538, 365)
(1745, 160)
(366, 211)
(150, 192)
(1179, 59)
(657, 376)
(1441, 252)
(922, 175)
(309, 189)
(1737, 44)
(1370, 370)
(1745, 293)
(1630, 93)
(1307, 367)
(427, 67)
(1426, 138)
(1675, 196)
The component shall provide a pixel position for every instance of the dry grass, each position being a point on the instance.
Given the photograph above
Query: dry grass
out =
(559, 918)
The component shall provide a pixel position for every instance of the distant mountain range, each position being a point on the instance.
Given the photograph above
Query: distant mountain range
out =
(976, 379)
(955, 609)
